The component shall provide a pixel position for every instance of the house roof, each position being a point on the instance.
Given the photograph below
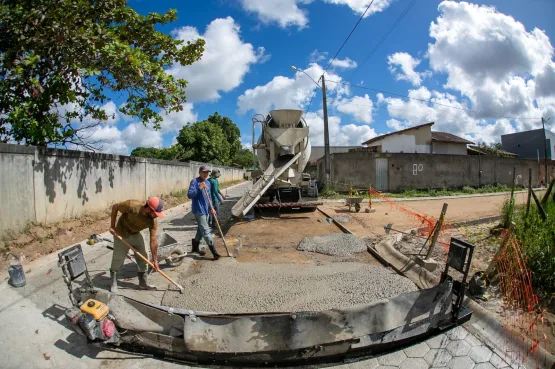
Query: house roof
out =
(377, 138)
(448, 137)
(476, 150)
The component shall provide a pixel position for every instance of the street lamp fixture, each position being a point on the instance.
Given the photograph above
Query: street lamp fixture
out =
(326, 131)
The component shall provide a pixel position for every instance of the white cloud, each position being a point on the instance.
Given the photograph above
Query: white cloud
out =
(492, 59)
(340, 135)
(290, 13)
(288, 93)
(225, 61)
(344, 63)
(136, 134)
(283, 12)
(360, 107)
(107, 138)
(317, 56)
(359, 6)
(176, 120)
(403, 65)
(448, 114)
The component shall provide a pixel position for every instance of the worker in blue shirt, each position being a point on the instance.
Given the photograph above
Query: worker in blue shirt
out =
(201, 210)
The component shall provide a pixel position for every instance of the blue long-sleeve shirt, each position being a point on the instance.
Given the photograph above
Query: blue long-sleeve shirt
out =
(198, 197)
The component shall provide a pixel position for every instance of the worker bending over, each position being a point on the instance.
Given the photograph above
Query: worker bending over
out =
(135, 216)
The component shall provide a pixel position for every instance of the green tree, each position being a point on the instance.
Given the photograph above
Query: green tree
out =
(206, 142)
(146, 152)
(245, 158)
(173, 153)
(231, 131)
(60, 58)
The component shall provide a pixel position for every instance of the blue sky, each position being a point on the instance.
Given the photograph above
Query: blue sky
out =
(482, 70)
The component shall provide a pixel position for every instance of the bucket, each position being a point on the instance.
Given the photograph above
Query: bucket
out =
(17, 275)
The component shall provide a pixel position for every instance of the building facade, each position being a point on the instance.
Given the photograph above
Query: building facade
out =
(530, 144)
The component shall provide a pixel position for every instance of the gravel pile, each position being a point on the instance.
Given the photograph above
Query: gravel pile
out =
(338, 244)
(228, 286)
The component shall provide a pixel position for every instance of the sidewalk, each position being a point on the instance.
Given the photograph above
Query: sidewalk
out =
(34, 334)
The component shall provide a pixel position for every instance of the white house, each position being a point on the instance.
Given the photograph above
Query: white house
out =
(418, 139)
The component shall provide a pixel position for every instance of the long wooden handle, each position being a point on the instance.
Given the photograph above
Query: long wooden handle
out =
(145, 259)
(217, 222)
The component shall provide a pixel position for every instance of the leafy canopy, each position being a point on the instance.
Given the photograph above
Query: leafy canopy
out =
(214, 140)
(59, 58)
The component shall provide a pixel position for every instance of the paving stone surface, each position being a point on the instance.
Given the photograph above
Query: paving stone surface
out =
(438, 357)
(463, 362)
(394, 358)
(458, 348)
(480, 354)
(418, 350)
(414, 363)
(439, 341)
(484, 366)
(497, 362)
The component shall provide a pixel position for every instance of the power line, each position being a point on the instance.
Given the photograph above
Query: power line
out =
(308, 106)
(422, 100)
(397, 21)
(344, 42)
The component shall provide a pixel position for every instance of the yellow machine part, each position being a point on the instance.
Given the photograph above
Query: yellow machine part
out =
(95, 308)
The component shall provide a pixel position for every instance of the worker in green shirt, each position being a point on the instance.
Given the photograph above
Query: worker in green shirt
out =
(216, 196)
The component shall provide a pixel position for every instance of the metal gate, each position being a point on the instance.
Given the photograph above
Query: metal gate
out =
(381, 174)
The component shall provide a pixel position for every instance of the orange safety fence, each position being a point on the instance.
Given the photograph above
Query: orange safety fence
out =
(523, 326)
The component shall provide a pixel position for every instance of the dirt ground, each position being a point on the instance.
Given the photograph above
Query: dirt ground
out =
(42, 239)
(274, 239)
(459, 210)
(486, 245)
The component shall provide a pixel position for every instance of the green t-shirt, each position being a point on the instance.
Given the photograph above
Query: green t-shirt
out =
(214, 190)
(131, 221)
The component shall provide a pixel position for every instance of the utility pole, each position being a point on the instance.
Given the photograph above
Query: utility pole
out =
(544, 150)
(326, 133)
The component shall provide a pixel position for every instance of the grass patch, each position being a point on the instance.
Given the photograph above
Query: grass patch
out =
(432, 192)
(538, 243)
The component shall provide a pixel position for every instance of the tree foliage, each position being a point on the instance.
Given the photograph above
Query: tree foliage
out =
(214, 140)
(245, 158)
(231, 131)
(59, 59)
(206, 142)
(173, 153)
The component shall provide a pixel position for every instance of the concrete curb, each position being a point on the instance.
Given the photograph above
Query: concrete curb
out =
(404, 199)
(486, 320)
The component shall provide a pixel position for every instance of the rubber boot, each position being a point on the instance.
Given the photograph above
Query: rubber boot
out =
(196, 247)
(113, 282)
(143, 282)
(214, 252)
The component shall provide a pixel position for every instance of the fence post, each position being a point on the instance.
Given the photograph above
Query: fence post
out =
(529, 191)
(437, 231)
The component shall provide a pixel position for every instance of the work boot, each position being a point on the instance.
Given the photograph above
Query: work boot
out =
(196, 247)
(214, 252)
(143, 283)
(113, 282)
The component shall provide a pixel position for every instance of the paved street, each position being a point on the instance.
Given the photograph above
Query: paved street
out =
(34, 334)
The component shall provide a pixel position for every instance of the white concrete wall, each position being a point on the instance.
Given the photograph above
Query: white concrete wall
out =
(449, 148)
(403, 144)
(47, 185)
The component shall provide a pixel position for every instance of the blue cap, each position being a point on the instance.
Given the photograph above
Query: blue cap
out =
(204, 168)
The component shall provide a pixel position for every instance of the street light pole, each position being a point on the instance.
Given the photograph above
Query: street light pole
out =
(327, 163)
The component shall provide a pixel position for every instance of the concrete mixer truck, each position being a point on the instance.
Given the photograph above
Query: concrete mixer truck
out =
(283, 150)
